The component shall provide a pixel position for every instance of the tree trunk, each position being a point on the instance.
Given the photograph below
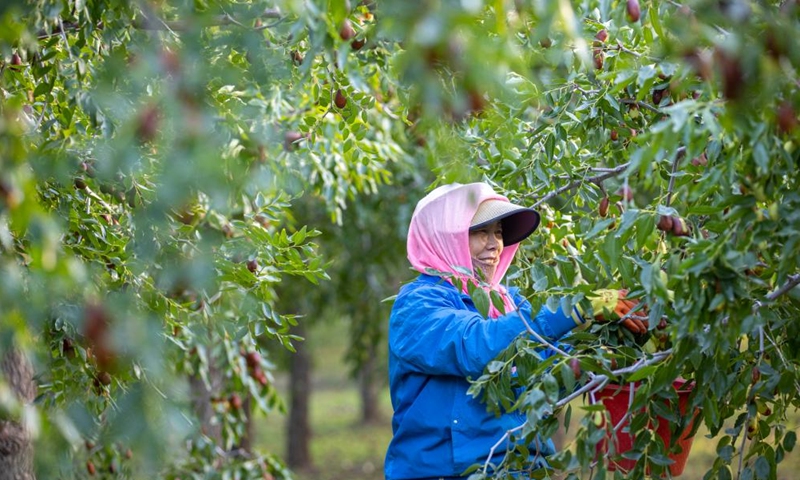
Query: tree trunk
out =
(368, 387)
(16, 450)
(298, 427)
(249, 430)
(201, 400)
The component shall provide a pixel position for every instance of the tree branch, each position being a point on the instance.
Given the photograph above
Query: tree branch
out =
(148, 22)
(622, 48)
(154, 23)
(601, 380)
(62, 27)
(497, 444)
(631, 101)
(680, 154)
(791, 282)
(597, 382)
(597, 179)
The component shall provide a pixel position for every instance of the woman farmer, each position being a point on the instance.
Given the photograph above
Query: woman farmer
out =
(438, 339)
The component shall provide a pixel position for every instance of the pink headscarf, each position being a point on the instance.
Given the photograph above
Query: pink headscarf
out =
(438, 237)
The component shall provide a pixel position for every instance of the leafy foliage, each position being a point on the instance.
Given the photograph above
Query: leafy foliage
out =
(673, 115)
(153, 155)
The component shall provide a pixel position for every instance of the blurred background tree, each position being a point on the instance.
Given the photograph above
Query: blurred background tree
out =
(165, 169)
(151, 152)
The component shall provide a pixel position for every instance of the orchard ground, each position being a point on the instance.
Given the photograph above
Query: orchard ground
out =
(344, 450)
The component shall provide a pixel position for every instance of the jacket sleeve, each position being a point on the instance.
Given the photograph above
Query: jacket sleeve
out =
(434, 334)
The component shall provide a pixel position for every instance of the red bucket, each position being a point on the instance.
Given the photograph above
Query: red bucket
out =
(616, 399)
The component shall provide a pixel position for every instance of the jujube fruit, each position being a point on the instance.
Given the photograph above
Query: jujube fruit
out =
(598, 58)
(700, 161)
(679, 227)
(658, 95)
(16, 62)
(625, 192)
(575, 365)
(752, 428)
(88, 169)
(665, 223)
(476, 101)
(148, 120)
(290, 140)
(68, 347)
(358, 44)
(104, 378)
(297, 57)
(252, 265)
(633, 10)
(602, 209)
(340, 100)
(787, 118)
(253, 359)
(733, 80)
(347, 32)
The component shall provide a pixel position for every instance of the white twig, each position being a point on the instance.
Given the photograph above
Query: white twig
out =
(598, 379)
(540, 338)
(631, 391)
(499, 442)
(741, 449)
(64, 37)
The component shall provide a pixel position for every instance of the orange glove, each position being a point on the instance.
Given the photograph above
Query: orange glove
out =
(614, 304)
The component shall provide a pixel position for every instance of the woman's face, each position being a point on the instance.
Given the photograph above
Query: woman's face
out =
(485, 247)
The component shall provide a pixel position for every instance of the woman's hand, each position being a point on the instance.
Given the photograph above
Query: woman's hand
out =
(610, 305)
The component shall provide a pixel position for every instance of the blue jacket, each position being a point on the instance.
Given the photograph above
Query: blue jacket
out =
(437, 339)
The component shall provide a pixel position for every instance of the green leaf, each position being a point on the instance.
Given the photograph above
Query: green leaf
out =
(43, 88)
(497, 301)
(628, 220)
(641, 374)
(494, 366)
(761, 156)
(660, 459)
(550, 385)
(600, 226)
(481, 300)
(762, 468)
(790, 440)
(655, 20)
